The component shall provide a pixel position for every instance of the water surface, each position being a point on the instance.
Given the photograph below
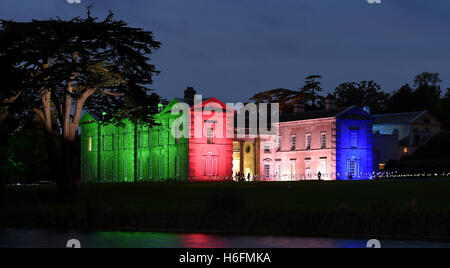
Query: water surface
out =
(31, 238)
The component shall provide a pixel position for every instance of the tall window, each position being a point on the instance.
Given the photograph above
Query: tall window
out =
(278, 172)
(160, 137)
(210, 135)
(125, 140)
(323, 167)
(142, 139)
(176, 167)
(210, 165)
(294, 170)
(125, 171)
(107, 142)
(279, 144)
(150, 167)
(308, 171)
(140, 169)
(150, 140)
(323, 140)
(308, 141)
(353, 167)
(160, 171)
(354, 138)
(293, 143)
(177, 139)
(267, 171)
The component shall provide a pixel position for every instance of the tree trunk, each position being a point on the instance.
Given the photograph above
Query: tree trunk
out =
(69, 132)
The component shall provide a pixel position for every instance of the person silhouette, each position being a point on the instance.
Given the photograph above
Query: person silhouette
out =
(319, 175)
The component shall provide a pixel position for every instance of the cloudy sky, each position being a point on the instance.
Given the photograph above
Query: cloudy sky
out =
(233, 48)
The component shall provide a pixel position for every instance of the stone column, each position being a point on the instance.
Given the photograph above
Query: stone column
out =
(241, 168)
(257, 156)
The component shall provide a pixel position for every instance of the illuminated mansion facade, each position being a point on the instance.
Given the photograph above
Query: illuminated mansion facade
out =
(333, 144)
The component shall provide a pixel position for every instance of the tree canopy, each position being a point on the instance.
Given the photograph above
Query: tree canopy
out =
(63, 68)
(365, 93)
(308, 94)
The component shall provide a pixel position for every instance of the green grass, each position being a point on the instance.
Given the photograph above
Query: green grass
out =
(404, 208)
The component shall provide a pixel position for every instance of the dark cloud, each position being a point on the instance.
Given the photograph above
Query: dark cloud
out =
(232, 48)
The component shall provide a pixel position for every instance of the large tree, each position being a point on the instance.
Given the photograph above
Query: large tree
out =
(63, 68)
(424, 95)
(365, 93)
(312, 87)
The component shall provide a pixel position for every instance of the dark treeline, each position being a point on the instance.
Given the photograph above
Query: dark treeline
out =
(424, 94)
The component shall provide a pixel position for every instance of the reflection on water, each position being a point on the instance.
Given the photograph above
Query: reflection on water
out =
(58, 239)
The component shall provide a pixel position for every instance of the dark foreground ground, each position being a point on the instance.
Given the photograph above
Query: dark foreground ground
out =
(400, 209)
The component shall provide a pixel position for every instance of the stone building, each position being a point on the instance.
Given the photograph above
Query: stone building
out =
(413, 129)
(336, 142)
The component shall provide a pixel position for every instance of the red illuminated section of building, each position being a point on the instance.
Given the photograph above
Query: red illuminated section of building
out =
(211, 154)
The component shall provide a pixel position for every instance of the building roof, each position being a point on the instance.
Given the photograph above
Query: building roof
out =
(312, 115)
(190, 102)
(398, 118)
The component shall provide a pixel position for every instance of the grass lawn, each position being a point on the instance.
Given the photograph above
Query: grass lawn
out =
(403, 208)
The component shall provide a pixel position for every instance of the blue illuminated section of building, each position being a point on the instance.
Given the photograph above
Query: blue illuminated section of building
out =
(354, 145)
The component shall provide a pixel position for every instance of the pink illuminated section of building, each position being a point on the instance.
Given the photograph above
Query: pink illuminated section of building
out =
(211, 155)
(302, 150)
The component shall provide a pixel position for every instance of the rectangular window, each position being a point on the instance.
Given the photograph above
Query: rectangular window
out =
(210, 135)
(323, 140)
(294, 170)
(160, 171)
(177, 134)
(150, 140)
(140, 169)
(108, 142)
(354, 138)
(323, 167)
(125, 172)
(150, 167)
(125, 140)
(278, 172)
(308, 141)
(266, 171)
(293, 143)
(279, 144)
(160, 137)
(353, 167)
(176, 168)
(142, 139)
(267, 148)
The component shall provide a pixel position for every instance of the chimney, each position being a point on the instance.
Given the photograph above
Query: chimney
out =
(299, 108)
(189, 93)
(330, 104)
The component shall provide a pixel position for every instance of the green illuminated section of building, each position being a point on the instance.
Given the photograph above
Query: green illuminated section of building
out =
(133, 153)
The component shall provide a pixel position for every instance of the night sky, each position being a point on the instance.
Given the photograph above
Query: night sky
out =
(232, 49)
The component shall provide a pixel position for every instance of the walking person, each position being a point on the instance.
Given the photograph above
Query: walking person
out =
(319, 175)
